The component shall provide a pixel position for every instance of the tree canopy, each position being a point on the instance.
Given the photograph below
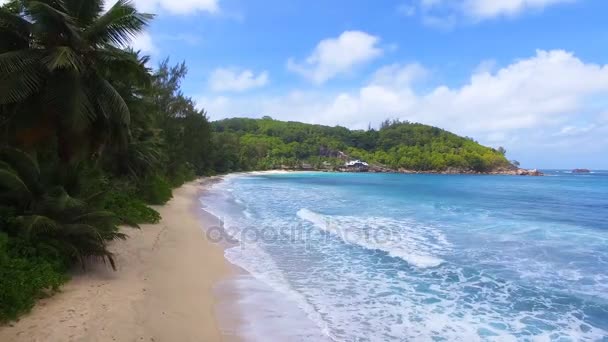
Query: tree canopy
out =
(267, 143)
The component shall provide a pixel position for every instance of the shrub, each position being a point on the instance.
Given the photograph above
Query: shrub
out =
(155, 190)
(184, 173)
(23, 279)
(126, 206)
(47, 212)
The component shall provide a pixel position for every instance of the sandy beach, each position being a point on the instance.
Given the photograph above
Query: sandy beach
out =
(163, 289)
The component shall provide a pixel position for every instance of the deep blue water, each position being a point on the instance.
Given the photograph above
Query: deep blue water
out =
(389, 257)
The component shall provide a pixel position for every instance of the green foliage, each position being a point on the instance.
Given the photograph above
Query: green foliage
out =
(23, 279)
(182, 174)
(185, 130)
(48, 213)
(57, 62)
(129, 208)
(155, 190)
(89, 136)
(250, 144)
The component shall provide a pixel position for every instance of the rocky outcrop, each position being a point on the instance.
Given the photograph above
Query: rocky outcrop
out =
(450, 171)
(520, 172)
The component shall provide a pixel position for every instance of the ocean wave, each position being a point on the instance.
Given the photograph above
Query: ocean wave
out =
(259, 264)
(410, 243)
(494, 285)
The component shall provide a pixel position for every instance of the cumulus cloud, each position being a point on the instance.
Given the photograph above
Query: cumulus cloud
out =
(174, 7)
(399, 75)
(540, 101)
(335, 56)
(231, 79)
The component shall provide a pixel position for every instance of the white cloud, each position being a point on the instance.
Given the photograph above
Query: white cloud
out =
(144, 43)
(576, 130)
(445, 14)
(399, 75)
(486, 66)
(335, 56)
(493, 8)
(174, 6)
(230, 79)
(537, 103)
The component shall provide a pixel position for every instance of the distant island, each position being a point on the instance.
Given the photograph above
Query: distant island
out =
(581, 171)
(397, 146)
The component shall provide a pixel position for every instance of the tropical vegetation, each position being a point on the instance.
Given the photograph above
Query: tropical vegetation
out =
(266, 143)
(89, 136)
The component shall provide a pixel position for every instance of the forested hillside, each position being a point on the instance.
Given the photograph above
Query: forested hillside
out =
(267, 143)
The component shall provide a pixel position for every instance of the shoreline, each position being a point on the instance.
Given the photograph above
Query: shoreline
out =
(250, 308)
(163, 289)
(516, 172)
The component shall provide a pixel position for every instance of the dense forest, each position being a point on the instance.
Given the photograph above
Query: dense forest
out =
(266, 144)
(90, 135)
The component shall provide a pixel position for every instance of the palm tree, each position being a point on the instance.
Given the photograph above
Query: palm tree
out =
(57, 60)
(48, 213)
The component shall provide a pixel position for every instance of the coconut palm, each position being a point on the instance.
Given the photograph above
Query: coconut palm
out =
(48, 213)
(57, 61)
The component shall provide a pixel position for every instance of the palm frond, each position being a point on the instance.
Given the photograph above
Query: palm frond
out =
(82, 230)
(142, 156)
(113, 105)
(25, 166)
(94, 216)
(59, 204)
(95, 196)
(124, 63)
(15, 31)
(118, 25)
(62, 57)
(84, 12)
(19, 86)
(18, 61)
(12, 187)
(33, 225)
(51, 19)
(67, 95)
(20, 76)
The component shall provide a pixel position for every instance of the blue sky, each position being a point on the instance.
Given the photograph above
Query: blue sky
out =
(529, 75)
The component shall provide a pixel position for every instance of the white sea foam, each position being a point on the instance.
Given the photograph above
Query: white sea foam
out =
(258, 263)
(267, 316)
(399, 239)
(354, 295)
(251, 257)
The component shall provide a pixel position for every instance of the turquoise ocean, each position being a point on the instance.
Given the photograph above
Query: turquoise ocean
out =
(395, 257)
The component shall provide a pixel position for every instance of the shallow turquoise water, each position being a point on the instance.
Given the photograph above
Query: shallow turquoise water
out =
(388, 257)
